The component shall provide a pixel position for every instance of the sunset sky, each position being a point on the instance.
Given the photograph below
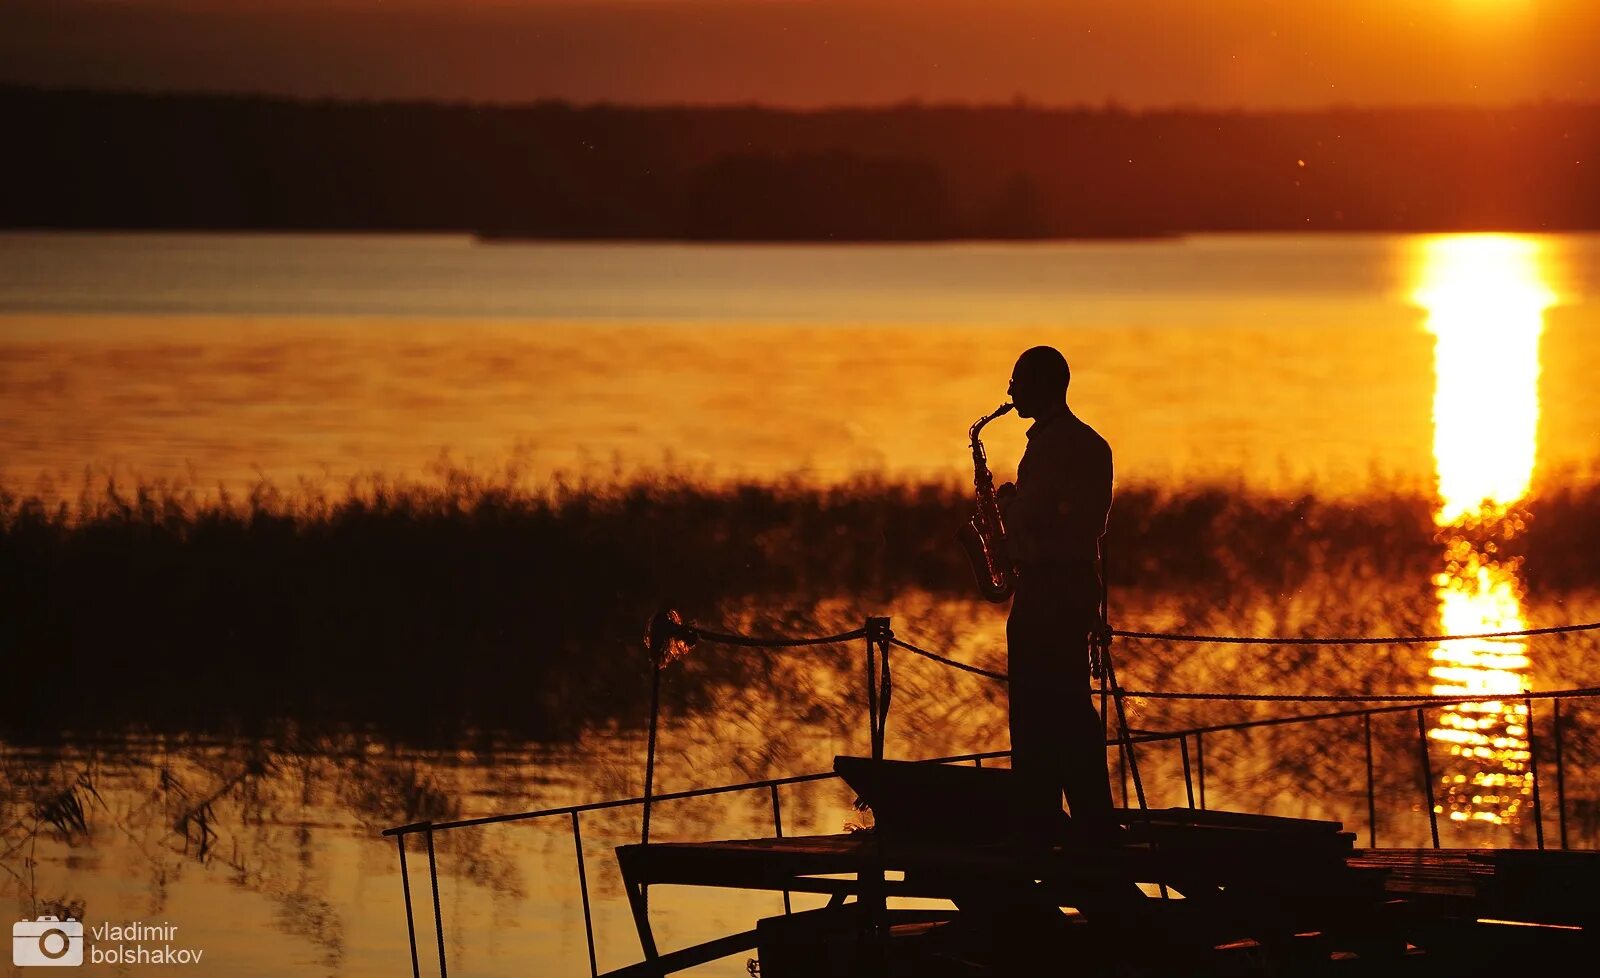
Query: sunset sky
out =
(1141, 53)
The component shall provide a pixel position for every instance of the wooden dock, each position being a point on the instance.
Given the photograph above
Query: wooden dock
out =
(1178, 892)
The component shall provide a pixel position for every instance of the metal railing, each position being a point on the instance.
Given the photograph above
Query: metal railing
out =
(667, 630)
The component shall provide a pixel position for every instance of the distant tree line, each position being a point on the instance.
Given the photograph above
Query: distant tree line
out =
(88, 159)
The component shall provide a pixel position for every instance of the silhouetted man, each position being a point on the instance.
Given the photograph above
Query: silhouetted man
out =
(1055, 517)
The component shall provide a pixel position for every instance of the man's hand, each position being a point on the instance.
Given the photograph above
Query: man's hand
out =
(1004, 495)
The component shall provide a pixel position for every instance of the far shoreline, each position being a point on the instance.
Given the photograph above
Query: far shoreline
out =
(579, 240)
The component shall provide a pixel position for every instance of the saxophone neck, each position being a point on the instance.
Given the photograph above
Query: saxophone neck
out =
(977, 426)
(980, 458)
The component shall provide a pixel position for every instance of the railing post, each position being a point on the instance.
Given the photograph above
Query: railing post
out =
(411, 924)
(1122, 769)
(872, 692)
(885, 689)
(1427, 777)
(1372, 798)
(1200, 765)
(878, 682)
(777, 831)
(1125, 732)
(1105, 732)
(438, 915)
(1188, 779)
(650, 747)
(1533, 772)
(1561, 778)
(583, 887)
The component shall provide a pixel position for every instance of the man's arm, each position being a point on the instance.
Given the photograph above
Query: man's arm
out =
(1091, 506)
(1036, 516)
(1060, 508)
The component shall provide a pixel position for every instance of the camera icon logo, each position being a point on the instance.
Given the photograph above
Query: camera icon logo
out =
(48, 941)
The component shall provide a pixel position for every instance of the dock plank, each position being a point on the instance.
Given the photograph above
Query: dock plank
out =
(1534, 885)
(1283, 887)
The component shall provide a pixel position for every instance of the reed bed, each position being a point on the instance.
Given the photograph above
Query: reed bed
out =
(468, 600)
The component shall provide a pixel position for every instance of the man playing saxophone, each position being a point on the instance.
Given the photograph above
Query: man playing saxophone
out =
(1055, 517)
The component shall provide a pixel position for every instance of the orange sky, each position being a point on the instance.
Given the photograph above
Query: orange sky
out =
(1246, 53)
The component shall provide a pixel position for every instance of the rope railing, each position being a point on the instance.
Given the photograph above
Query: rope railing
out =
(694, 633)
(669, 628)
(952, 663)
(1172, 695)
(1352, 639)
(1145, 736)
(669, 638)
(1417, 698)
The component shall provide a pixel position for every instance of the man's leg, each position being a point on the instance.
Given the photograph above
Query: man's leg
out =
(1037, 732)
(1084, 774)
(1087, 782)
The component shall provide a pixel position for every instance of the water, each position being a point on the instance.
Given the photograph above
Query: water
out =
(1333, 365)
(1278, 360)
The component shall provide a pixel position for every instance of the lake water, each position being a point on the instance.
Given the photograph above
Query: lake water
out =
(1460, 367)
(1273, 360)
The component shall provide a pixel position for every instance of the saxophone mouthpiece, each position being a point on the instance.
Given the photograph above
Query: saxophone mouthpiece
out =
(1005, 408)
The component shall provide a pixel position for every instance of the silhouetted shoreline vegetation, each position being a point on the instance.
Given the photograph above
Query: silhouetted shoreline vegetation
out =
(124, 160)
(474, 601)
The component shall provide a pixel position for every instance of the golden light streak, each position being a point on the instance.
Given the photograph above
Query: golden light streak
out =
(1485, 296)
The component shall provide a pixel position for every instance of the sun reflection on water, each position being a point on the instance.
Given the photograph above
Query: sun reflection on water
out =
(1485, 296)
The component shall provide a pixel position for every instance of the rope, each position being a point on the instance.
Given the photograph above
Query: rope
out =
(1354, 640)
(952, 663)
(1257, 697)
(1357, 697)
(747, 641)
(693, 633)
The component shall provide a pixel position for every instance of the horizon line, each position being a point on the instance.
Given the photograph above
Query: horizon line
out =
(1018, 103)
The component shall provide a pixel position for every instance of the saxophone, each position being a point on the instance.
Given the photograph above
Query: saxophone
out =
(984, 534)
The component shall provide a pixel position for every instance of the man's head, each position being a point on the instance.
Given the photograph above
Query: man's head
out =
(1039, 382)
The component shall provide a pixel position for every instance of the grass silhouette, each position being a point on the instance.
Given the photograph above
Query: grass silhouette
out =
(472, 600)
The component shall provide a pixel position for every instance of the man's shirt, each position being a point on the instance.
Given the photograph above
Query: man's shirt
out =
(1063, 493)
